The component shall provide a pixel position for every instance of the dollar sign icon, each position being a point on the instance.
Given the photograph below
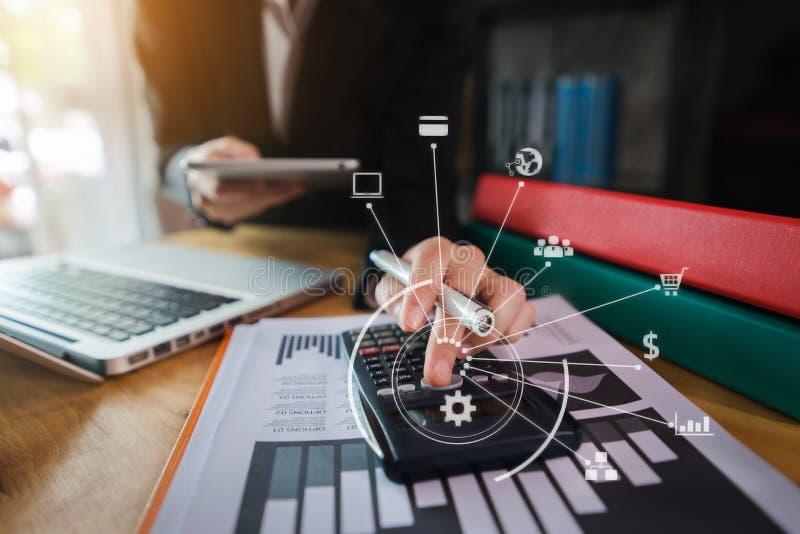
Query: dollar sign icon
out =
(647, 340)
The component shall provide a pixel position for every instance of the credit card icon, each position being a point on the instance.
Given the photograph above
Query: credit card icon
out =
(433, 126)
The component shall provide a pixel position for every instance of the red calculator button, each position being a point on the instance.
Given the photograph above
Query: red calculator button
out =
(391, 348)
(369, 351)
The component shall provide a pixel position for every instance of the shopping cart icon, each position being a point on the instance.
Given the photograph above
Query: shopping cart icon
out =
(670, 283)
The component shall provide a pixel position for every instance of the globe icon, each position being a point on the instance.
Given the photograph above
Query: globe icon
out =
(527, 162)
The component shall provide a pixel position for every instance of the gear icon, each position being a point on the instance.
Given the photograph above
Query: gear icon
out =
(464, 415)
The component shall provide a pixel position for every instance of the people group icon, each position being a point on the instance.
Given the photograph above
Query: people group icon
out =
(552, 249)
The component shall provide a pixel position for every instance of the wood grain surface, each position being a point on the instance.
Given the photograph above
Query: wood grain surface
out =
(82, 458)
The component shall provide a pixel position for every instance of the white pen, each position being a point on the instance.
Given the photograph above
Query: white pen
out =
(473, 315)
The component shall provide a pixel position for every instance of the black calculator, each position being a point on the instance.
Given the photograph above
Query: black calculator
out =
(485, 418)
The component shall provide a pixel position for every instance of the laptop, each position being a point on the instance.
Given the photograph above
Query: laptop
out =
(108, 312)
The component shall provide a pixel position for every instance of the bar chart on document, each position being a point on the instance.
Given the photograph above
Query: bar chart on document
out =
(338, 486)
(327, 345)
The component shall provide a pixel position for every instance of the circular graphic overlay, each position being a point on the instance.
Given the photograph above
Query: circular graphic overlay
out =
(432, 423)
(470, 433)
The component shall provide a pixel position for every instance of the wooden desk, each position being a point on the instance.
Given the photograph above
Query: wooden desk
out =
(82, 458)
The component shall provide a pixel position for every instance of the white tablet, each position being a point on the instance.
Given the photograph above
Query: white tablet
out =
(317, 171)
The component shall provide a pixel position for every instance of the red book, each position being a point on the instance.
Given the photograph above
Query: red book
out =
(751, 257)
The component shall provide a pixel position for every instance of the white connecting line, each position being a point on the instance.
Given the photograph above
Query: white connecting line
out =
(477, 281)
(438, 230)
(573, 451)
(523, 287)
(465, 350)
(396, 257)
(526, 383)
(638, 367)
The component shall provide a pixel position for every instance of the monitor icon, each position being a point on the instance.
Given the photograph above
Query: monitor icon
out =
(367, 185)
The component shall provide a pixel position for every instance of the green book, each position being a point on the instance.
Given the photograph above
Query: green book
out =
(753, 351)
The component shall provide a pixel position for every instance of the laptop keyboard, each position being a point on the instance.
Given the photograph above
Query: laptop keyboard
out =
(112, 306)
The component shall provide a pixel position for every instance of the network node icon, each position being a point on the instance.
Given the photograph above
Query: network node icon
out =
(672, 282)
(600, 469)
(552, 249)
(433, 126)
(367, 185)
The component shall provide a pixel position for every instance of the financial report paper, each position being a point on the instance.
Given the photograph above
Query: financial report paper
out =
(276, 449)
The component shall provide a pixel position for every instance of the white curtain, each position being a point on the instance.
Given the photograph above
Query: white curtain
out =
(75, 139)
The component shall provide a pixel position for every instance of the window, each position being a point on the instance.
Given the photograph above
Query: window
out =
(73, 129)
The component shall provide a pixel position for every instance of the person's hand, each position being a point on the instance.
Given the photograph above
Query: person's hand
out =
(5, 189)
(461, 267)
(5, 194)
(230, 201)
(17, 206)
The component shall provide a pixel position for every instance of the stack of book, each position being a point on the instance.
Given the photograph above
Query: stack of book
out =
(735, 318)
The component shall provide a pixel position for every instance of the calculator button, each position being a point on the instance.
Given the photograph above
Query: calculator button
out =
(480, 379)
(391, 348)
(390, 363)
(367, 343)
(369, 351)
(406, 388)
(455, 382)
(385, 392)
(501, 377)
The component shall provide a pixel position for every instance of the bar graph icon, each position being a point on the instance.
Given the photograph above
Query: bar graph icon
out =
(693, 428)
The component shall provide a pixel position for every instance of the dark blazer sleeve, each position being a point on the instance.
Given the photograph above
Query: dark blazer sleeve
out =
(170, 50)
(432, 85)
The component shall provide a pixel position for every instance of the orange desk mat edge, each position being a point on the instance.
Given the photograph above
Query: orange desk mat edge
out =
(153, 506)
